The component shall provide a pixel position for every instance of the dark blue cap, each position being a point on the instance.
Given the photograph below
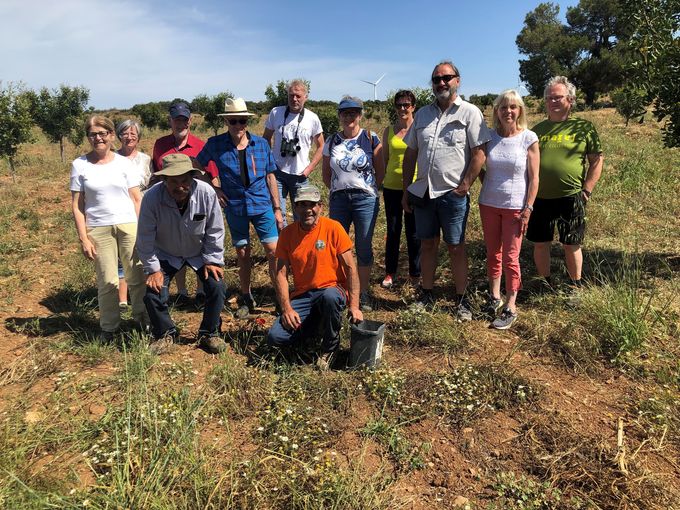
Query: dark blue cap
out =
(347, 104)
(180, 110)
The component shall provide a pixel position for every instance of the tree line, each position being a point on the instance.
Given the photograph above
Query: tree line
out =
(624, 48)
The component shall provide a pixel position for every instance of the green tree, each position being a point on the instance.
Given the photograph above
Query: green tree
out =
(586, 49)
(152, 115)
(631, 102)
(654, 26)
(278, 95)
(210, 107)
(15, 121)
(60, 112)
(550, 48)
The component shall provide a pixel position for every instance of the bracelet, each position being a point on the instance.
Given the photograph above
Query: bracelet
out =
(277, 209)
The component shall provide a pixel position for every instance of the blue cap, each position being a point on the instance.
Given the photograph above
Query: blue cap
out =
(180, 110)
(347, 104)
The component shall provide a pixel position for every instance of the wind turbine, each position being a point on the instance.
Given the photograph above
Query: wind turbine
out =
(375, 86)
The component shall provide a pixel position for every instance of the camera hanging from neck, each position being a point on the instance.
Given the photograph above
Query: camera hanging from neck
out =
(290, 147)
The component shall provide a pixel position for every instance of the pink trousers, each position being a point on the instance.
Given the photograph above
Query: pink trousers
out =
(503, 240)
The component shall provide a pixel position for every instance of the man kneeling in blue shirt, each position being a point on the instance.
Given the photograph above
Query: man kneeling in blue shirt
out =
(180, 223)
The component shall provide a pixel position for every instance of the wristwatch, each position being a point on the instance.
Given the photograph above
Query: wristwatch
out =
(588, 193)
(277, 209)
(530, 207)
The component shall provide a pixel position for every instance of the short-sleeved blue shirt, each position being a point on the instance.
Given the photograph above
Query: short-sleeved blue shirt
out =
(242, 201)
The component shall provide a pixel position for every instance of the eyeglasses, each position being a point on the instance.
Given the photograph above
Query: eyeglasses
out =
(444, 78)
(233, 122)
(100, 134)
(555, 99)
(403, 106)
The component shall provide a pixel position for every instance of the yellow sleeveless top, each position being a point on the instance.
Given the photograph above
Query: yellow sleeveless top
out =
(394, 172)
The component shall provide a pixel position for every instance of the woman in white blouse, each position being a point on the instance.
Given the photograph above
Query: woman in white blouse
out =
(506, 201)
(105, 203)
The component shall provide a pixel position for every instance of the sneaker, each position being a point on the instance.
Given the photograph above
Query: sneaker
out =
(324, 361)
(387, 282)
(491, 307)
(463, 313)
(505, 319)
(163, 344)
(247, 306)
(199, 300)
(573, 296)
(425, 299)
(366, 302)
(212, 344)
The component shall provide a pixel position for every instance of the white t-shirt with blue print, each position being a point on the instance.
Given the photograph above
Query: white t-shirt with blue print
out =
(352, 162)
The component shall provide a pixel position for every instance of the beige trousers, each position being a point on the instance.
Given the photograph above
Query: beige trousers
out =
(114, 242)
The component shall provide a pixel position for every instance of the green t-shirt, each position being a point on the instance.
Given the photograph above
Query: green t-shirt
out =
(564, 148)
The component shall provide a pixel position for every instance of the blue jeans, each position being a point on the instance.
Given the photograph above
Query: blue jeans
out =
(361, 208)
(449, 213)
(320, 310)
(288, 184)
(157, 304)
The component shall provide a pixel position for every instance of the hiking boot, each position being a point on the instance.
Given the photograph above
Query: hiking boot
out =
(505, 319)
(425, 299)
(387, 282)
(573, 295)
(212, 344)
(324, 361)
(247, 306)
(366, 303)
(182, 299)
(163, 344)
(491, 307)
(463, 313)
(106, 336)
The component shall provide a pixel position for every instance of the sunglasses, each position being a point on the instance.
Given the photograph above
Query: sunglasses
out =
(444, 78)
(233, 122)
(402, 106)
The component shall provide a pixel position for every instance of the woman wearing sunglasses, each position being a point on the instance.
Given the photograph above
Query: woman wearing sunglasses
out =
(353, 169)
(393, 155)
(105, 203)
(246, 170)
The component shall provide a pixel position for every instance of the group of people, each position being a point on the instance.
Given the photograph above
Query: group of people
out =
(532, 182)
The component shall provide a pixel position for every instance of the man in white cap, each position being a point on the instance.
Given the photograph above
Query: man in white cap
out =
(246, 170)
(318, 253)
(293, 128)
(180, 224)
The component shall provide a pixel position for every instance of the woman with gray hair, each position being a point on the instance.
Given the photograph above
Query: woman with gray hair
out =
(129, 132)
(353, 169)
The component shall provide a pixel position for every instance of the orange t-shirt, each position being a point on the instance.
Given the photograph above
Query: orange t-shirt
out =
(313, 256)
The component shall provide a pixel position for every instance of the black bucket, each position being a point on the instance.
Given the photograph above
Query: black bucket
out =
(366, 344)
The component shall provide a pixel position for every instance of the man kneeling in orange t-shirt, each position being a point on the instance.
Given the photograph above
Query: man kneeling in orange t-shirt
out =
(318, 252)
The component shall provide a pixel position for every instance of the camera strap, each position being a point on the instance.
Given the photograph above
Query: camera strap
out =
(301, 115)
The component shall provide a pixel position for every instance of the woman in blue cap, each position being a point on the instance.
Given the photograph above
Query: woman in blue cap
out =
(353, 169)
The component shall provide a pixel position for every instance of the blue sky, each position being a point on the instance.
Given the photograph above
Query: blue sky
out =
(129, 52)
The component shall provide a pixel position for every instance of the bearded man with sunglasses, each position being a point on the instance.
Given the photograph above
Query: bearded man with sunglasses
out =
(246, 170)
(447, 141)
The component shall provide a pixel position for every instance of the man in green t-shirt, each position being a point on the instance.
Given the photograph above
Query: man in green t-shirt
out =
(571, 165)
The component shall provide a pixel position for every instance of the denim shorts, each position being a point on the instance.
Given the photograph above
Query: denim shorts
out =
(448, 213)
(239, 227)
(361, 208)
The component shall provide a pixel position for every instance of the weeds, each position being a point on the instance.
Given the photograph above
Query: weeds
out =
(389, 434)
